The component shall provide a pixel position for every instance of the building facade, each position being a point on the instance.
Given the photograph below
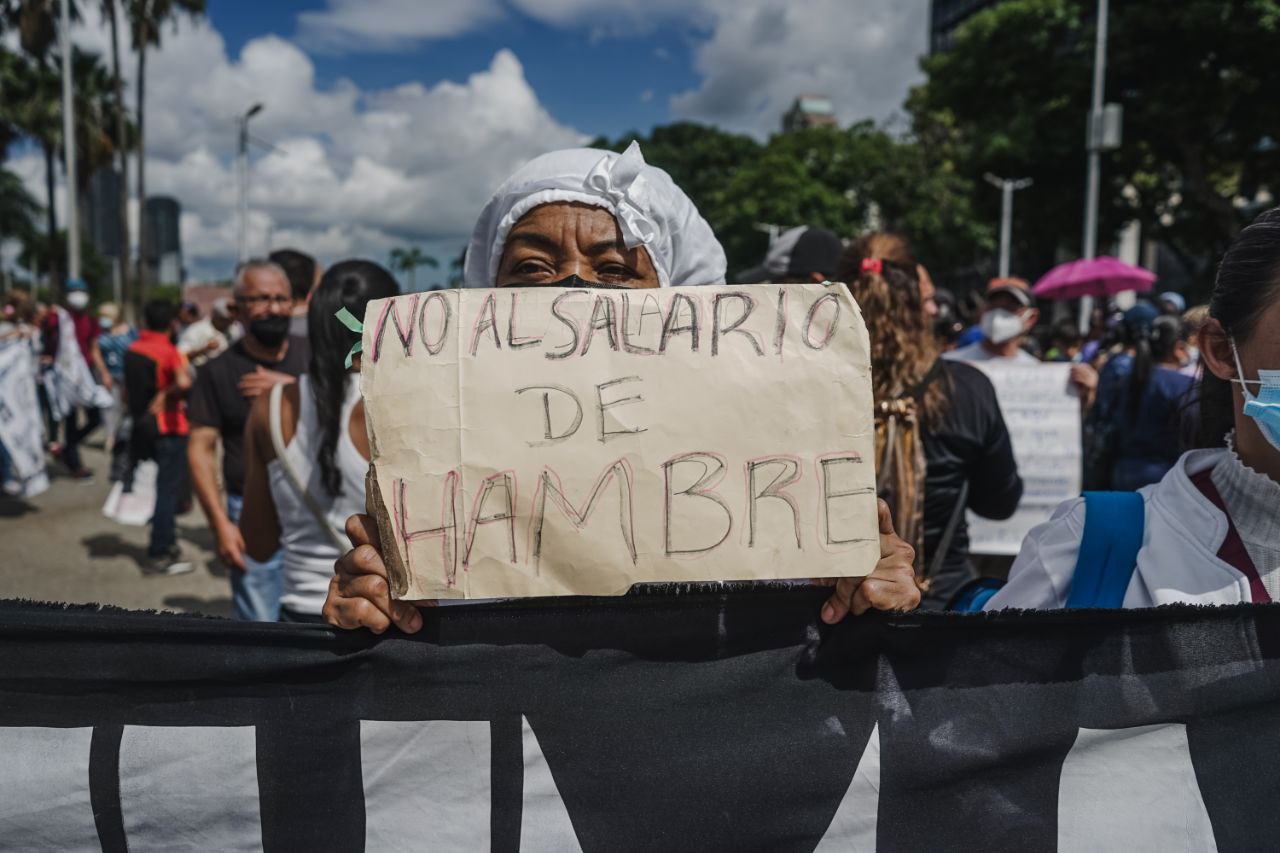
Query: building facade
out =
(160, 223)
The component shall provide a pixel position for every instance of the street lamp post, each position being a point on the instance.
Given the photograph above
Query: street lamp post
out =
(69, 150)
(1098, 142)
(242, 174)
(1007, 188)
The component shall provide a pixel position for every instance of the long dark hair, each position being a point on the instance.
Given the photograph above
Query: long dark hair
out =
(1152, 344)
(350, 285)
(903, 346)
(1248, 280)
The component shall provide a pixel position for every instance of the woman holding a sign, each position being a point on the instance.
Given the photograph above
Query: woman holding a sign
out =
(583, 218)
(1208, 532)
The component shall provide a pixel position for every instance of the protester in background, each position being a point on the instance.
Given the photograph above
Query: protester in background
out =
(157, 379)
(947, 324)
(114, 337)
(1007, 320)
(304, 274)
(1209, 533)
(71, 350)
(219, 407)
(1192, 322)
(805, 254)
(207, 336)
(536, 231)
(1065, 342)
(299, 500)
(941, 442)
(1141, 395)
(1171, 303)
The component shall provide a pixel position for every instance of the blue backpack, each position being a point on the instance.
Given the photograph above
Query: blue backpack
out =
(1113, 526)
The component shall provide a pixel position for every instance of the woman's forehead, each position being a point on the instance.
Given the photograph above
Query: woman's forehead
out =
(563, 216)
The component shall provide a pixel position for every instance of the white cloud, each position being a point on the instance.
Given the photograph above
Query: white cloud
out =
(757, 55)
(391, 24)
(351, 172)
(763, 53)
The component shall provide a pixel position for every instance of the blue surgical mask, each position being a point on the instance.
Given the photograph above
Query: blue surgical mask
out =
(1263, 407)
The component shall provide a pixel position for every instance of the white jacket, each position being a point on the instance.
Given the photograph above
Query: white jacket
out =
(1178, 561)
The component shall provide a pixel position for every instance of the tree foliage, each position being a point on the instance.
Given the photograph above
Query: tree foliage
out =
(847, 180)
(1196, 79)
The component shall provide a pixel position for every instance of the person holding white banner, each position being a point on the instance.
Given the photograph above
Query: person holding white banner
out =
(71, 351)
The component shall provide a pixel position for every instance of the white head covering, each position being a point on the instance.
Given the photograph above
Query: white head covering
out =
(650, 209)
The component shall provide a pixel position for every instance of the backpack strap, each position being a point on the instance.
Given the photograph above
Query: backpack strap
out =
(1113, 527)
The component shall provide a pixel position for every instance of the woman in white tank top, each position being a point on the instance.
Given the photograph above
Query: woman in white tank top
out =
(306, 449)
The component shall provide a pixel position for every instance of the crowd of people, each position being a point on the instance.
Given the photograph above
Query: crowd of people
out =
(254, 409)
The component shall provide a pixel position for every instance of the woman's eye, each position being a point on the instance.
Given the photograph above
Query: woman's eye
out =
(531, 268)
(617, 271)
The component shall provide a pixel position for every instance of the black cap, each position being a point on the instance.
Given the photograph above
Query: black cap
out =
(796, 254)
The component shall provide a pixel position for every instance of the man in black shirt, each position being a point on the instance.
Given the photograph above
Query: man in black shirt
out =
(218, 408)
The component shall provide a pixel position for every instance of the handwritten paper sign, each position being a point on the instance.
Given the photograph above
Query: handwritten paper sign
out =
(1042, 412)
(538, 441)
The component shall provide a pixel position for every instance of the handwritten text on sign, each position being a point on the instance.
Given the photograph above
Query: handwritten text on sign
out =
(538, 441)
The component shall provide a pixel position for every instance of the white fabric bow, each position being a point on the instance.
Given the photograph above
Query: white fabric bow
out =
(620, 181)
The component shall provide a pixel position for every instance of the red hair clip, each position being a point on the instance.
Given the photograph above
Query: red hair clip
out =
(874, 265)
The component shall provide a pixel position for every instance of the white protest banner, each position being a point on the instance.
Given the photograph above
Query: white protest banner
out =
(20, 429)
(538, 441)
(1042, 412)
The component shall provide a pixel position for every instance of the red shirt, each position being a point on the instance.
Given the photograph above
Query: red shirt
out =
(151, 365)
(86, 328)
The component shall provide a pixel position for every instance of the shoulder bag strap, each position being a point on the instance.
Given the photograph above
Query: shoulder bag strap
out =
(1113, 526)
(277, 442)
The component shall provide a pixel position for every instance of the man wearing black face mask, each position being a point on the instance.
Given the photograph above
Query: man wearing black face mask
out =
(218, 407)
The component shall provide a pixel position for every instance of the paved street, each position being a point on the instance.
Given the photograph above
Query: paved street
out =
(59, 547)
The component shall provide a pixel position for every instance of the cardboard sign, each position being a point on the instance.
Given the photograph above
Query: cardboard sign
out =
(1042, 410)
(539, 441)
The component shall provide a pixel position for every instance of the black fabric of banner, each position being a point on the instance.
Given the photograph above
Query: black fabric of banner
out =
(706, 721)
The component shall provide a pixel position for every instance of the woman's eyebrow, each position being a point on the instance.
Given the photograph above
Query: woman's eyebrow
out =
(535, 239)
(606, 246)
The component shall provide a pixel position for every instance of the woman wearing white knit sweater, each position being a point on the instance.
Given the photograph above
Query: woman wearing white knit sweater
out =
(1211, 527)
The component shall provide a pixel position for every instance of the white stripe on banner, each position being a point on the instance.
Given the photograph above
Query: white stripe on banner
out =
(44, 789)
(854, 826)
(190, 788)
(544, 820)
(426, 784)
(1131, 789)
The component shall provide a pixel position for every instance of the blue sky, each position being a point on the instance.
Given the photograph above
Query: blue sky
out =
(394, 120)
(599, 84)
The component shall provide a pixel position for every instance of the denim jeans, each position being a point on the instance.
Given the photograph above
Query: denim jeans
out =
(171, 460)
(255, 592)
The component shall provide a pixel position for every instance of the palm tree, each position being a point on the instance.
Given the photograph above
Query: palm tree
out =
(18, 209)
(145, 19)
(408, 260)
(111, 10)
(31, 106)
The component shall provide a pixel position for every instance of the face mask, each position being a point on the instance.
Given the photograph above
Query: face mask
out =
(270, 331)
(105, 323)
(574, 282)
(78, 299)
(1264, 407)
(999, 325)
(1193, 356)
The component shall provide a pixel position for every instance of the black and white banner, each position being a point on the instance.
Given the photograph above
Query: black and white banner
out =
(664, 723)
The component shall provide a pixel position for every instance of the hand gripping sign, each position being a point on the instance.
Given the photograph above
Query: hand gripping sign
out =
(536, 441)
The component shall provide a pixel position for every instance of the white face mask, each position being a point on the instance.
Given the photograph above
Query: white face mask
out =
(1000, 326)
(78, 299)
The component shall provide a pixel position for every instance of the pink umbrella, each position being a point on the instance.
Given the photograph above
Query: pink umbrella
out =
(1102, 276)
